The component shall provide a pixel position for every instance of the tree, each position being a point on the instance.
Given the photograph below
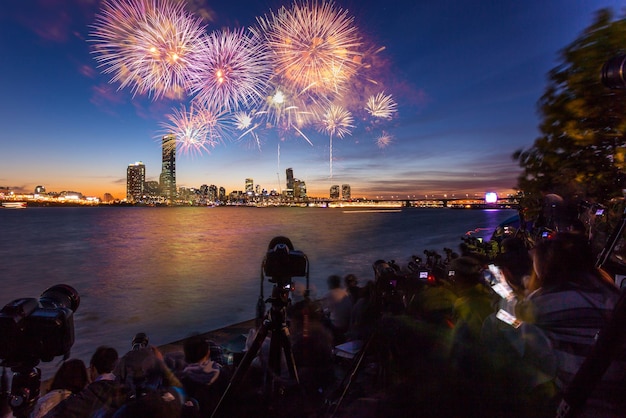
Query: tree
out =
(580, 153)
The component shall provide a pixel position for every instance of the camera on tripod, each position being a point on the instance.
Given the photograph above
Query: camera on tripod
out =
(283, 262)
(390, 286)
(38, 329)
(34, 330)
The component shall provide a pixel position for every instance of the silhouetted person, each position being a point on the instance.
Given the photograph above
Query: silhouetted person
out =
(103, 396)
(337, 308)
(71, 378)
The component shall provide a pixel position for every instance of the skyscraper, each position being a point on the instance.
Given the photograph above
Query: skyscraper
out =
(345, 192)
(334, 191)
(135, 180)
(290, 178)
(249, 186)
(167, 179)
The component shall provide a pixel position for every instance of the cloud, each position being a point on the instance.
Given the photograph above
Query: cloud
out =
(56, 20)
(104, 95)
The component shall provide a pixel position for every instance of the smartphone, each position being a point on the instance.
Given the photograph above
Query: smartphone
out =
(499, 284)
(508, 318)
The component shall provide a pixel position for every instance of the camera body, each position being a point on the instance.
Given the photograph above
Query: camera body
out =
(38, 329)
(613, 73)
(390, 286)
(283, 262)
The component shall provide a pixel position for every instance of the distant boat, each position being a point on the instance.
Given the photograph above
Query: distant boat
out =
(14, 205)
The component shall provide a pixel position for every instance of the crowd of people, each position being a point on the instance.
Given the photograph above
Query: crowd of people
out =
(457, 348)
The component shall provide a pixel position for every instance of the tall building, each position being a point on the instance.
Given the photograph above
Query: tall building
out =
(290, 178)
(212, 193)
(345, 192)
(334, 191)
(299, 189)
(167, 179)
(249, 186)
(135, 181)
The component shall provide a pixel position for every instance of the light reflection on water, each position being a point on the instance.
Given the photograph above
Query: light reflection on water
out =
(172, 271)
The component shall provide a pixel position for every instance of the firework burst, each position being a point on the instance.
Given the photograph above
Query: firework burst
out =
(336, 121)
(233, 68)
(384, 140)
(287, 112)
(191, 134)
(195, 130)
(381, 106)
(314, 45)
(147, 45)
(244, 122)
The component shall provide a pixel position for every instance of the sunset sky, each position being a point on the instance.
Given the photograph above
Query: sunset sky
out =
(466, 77)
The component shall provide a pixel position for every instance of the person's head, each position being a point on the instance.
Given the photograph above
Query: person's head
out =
(196, 349)
(104, 359)
(72, 375)
(565, 257)
(333, 281)
(516, 261)
(465, 271)
(350, 280)
(139, 341)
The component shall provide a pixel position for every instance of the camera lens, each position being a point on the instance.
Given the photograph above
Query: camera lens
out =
(613, 73)
(61, 295)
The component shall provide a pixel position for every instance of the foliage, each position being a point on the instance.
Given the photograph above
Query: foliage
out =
(580, 153)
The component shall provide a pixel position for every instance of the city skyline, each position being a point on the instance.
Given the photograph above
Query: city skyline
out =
(466, 79)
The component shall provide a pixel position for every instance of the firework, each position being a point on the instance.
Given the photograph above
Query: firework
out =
(383, 140)
(287, 111)
(196, 130)
(243, 122)
(381, 106)
(218, 122)
(147, 45)
(314, 45)
(336, 121)
(233, 68)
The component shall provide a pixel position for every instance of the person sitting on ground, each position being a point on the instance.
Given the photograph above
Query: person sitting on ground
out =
(364, 314)
(352, 286)
(70, 379)
(337, 308)
(103, 396)
(144, 366)
(312, 346)
(175, 361)
(571, 300)
(202, 378)
(516, 264)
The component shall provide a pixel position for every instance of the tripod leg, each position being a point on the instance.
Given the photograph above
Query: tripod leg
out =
(291, 362)
(244, 365)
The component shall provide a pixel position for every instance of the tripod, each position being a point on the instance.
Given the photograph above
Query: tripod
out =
(275, 321)
(24, 387)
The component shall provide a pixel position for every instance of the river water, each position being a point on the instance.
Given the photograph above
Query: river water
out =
(173, 271)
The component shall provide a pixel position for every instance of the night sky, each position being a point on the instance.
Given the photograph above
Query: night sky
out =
(466, 77)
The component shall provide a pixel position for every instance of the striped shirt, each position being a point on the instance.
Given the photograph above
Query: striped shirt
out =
(571, 317)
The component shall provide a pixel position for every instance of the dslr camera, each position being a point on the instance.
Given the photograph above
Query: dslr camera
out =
(614, 73)
(390, 286)
(38, 329)
(283, 262)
